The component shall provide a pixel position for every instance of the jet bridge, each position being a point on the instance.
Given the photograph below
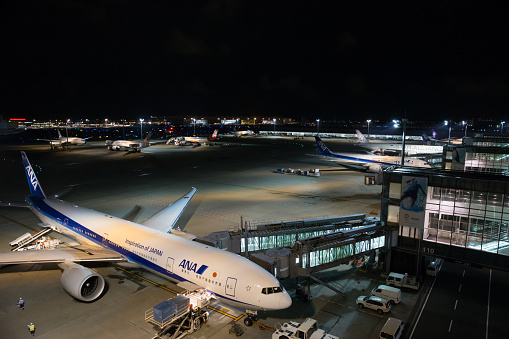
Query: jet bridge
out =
(299, 248)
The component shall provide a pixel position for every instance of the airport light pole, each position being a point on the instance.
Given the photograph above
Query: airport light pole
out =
(67, 130)
(194, 126)
(502, 127)
(274, 125)
(448, 123)
(466, 126)
(403, 123)
(368, 127)
(141, 128)
(317, 126)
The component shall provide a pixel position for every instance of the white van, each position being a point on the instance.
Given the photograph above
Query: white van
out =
(433, 267)
(393, 329)
(387, 292)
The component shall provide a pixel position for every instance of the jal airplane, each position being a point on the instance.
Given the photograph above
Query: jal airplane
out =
(366, 162)
(197, 140)
(129, 145)
(153, 244)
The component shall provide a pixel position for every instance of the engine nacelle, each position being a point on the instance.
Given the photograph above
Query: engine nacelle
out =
(80, 282)
(375, 168)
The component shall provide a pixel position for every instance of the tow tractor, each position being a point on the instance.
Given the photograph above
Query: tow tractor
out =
(181, 315)
(307, 330)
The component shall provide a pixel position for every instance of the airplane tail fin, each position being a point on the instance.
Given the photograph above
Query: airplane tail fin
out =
(322, 149)
(361, 137)
(147, 139)
(33, 183)
(424, 137)
(59, 134)
(434, 134)
(214, 135)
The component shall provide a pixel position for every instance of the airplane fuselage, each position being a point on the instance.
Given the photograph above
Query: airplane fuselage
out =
(168, 255)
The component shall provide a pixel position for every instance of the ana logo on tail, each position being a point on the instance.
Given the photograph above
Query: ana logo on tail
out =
(32, 177)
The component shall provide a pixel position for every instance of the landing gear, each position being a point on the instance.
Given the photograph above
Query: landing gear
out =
(250, 318)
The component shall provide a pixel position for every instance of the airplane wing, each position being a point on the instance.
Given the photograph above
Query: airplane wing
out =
(59, 255)
(165, 219)
(14, 204)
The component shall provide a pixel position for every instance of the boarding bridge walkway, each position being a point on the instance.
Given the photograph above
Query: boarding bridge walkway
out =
(300, 248)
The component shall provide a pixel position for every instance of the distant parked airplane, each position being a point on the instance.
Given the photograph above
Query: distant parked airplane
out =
(195, 140)
(366, 162)
(65, 141)
(128, 145)
(391, 147)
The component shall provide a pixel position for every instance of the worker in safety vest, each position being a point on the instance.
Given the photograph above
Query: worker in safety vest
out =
(31, 328)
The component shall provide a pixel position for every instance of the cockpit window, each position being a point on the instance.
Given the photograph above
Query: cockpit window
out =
(271, 290)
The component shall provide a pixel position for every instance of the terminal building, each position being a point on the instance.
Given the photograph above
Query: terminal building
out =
(455, 215)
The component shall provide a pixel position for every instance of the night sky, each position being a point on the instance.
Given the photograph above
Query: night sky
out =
(333, 60)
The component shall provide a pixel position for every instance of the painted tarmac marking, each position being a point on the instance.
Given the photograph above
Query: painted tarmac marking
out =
(175, 292)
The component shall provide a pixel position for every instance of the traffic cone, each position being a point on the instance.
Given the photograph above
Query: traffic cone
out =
(363, 288)
(358, 281)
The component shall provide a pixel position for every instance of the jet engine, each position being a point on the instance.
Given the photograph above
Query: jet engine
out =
(375, 168)
(80, 282)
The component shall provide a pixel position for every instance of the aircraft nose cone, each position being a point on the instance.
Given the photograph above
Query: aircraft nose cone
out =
(285, 301)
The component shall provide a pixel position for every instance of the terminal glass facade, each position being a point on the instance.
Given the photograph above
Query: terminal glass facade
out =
(476, 219)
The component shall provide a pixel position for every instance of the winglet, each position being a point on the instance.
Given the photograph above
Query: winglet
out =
(33, 183)
(322, 149)
(165, 219)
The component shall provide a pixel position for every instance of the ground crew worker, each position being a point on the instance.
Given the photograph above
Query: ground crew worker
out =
(31, 328)
(21, 304)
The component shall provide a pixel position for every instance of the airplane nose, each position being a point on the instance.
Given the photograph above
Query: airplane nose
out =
(285, 301)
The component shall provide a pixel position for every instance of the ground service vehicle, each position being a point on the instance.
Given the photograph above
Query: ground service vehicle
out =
(392, 329)
(181, 315)
(433, 267)
(387, 292)
(307, 330)
(402, 280)
(378, 304)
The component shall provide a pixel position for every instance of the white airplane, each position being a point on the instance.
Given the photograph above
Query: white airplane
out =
(66, 141)
(128, 145)
(389, 147)
(367, 162)
(195, 140)
(244, 133)
(153, 244)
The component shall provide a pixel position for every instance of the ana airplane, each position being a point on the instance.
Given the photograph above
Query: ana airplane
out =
(434, 141)
(129, 145)
(392, 148)
(366, 162)
(153, 244)
(66, 141)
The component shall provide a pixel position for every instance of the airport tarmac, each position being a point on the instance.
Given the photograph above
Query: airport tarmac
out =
(232, 182)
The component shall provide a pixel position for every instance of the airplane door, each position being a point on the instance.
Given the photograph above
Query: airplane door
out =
(230, 286)
(169, 265)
